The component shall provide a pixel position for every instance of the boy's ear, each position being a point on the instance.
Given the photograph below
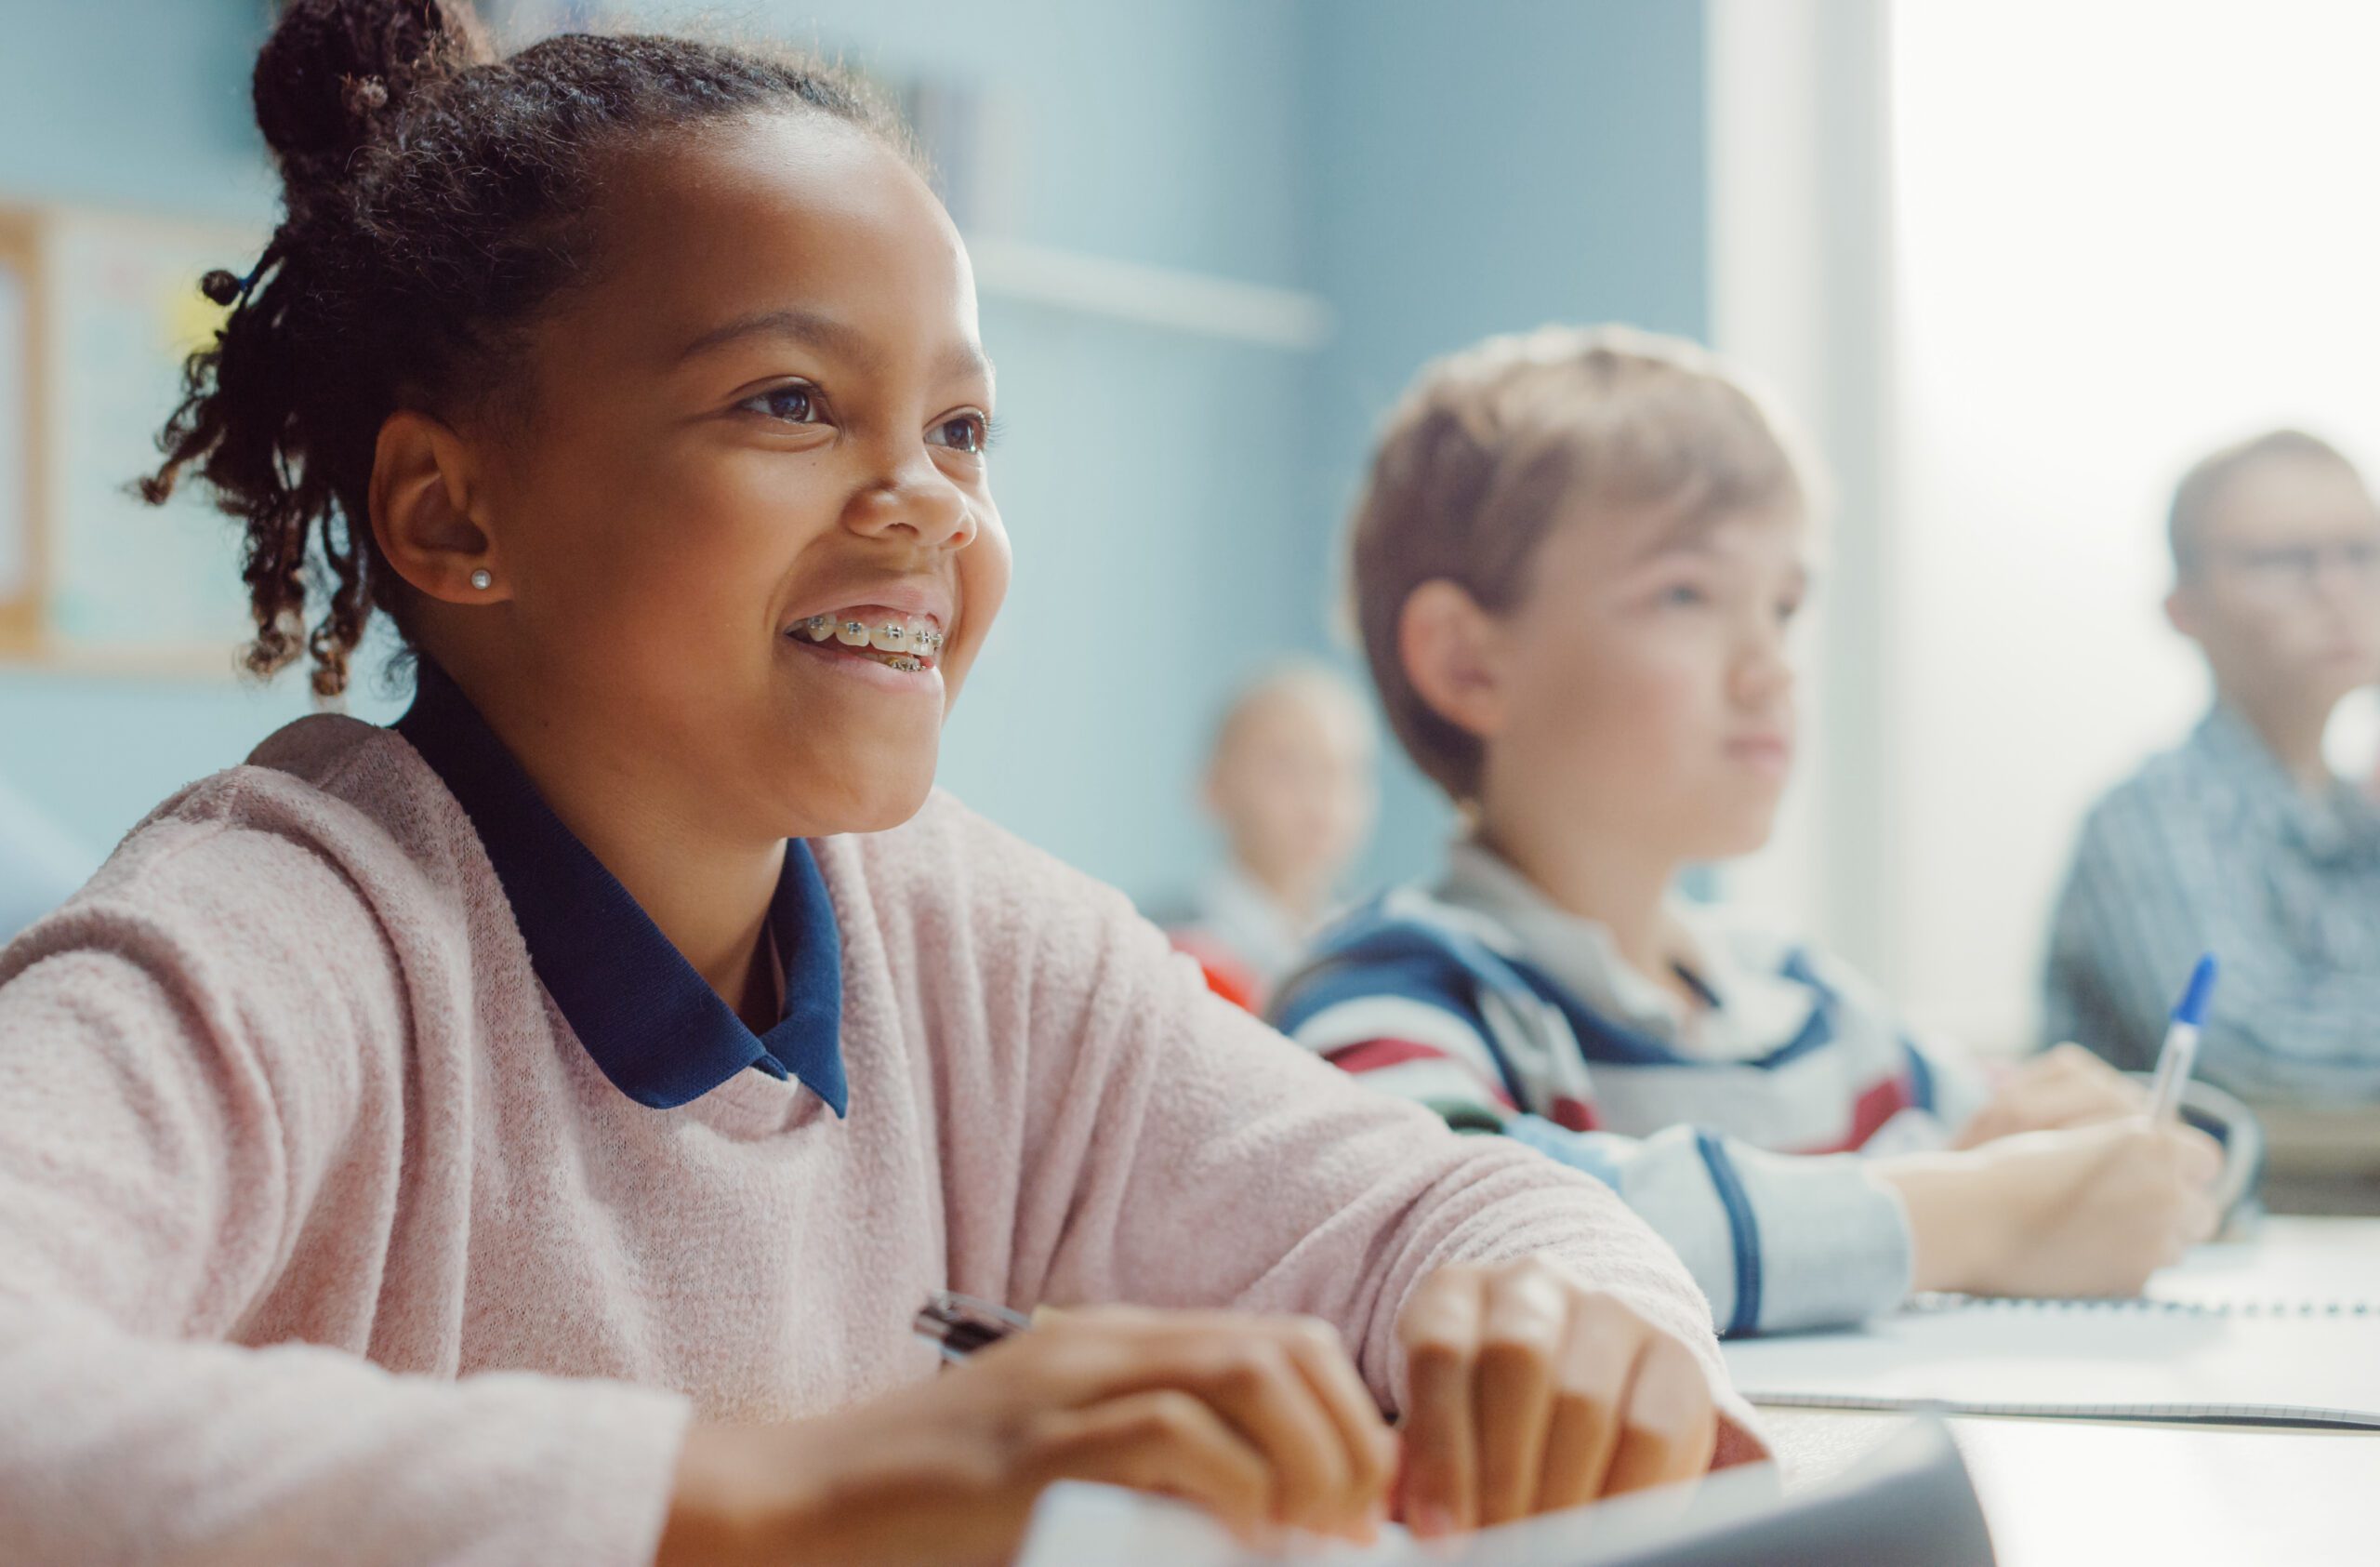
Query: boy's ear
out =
(1452, 649)
(2181, 612)
(427, 502)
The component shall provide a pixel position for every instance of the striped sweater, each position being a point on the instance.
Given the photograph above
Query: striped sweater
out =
(1741, 1131)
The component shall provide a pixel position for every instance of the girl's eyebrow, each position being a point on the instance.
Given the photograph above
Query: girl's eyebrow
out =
(837, 337)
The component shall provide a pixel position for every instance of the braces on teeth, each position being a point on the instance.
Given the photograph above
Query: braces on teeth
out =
(893, 636)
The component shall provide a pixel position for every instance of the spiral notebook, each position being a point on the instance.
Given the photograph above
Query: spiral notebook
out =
(2307, 1360)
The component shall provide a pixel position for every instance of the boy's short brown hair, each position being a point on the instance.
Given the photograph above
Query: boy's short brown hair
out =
(1489, 444)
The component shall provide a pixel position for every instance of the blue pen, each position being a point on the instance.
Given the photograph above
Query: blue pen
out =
(2180, 1053)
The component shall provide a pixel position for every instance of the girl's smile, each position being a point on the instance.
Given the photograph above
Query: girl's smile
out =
(875, 637)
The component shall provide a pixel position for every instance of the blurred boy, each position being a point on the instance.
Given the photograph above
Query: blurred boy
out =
(2242, 841)
(1574, 568)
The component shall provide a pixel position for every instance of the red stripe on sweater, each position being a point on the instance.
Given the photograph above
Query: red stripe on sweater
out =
(1372, 1055)
(1874, 1107)
(1575, 1114)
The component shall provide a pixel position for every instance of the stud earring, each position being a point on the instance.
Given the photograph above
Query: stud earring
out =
(482, 579)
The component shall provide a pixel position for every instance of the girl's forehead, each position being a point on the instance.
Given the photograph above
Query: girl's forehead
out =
(773, 214)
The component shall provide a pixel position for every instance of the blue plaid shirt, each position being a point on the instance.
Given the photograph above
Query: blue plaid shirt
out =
(2214, 847)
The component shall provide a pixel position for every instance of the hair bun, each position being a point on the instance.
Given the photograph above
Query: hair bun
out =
(331, 66)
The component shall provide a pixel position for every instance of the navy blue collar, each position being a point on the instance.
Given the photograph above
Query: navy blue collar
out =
(654, 1026)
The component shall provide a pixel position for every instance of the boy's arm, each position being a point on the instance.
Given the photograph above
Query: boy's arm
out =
(163, 1133)
(2152, 890)
(1778, 1242)
(1775, 1241)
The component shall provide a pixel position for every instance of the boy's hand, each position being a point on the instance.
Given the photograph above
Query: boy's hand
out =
(2064, 1086)
(2088, 1210)
(1260, 1420)
(1529, 1392)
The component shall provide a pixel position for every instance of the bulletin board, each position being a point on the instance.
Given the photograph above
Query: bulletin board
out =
(21, 439)
(98, 311)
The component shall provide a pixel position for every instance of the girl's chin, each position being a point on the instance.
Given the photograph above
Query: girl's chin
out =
(858, 786)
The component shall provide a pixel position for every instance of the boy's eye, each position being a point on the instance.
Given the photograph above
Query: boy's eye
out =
(968, 432)
(796, 402)
(1685, 595)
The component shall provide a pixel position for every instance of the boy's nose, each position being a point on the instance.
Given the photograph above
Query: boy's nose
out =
(1761, 673)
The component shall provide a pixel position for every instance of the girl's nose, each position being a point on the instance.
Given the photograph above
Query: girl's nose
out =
(917, 499)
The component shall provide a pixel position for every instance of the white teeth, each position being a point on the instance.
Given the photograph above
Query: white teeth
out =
(915, 637)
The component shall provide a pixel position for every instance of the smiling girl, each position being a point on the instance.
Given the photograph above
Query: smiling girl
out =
(527, 1134)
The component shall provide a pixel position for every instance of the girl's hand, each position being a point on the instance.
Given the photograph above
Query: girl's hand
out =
(1529, 1392)
(1262, 1421)
(2060, 1087)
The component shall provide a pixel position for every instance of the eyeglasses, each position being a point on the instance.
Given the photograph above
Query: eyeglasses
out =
(2284, 569)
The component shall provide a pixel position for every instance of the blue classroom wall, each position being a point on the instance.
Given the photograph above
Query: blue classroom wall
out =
(143, 105)
(1174, 499)
(1487, 168)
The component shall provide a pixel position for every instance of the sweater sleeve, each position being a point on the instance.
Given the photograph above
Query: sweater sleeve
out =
(180, 1066)
(1203, 1159)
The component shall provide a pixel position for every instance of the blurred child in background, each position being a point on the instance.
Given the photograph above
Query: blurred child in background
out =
(1289, 782)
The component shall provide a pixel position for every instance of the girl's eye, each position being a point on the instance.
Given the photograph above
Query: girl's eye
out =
(1684, 596)
(795, 403)
(968, 432)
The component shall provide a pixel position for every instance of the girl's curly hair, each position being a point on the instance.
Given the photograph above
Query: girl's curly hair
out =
(434, 197)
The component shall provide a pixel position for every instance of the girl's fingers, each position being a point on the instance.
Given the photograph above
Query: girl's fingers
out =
(1168, 1443)
(1283, 1383)
(1668, 1425)
(1440, 1330)
(1524, 1318)
(1591, 1386)
(1254, 1382)
(1371, 1446)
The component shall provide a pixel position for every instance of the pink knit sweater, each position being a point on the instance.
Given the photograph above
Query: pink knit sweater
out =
(323, 1239)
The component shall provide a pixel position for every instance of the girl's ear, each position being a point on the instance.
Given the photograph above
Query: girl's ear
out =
(427, 510)
(2181, 612)
(1453, 653)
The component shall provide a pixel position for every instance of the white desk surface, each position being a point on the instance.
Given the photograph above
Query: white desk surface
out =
(2103, 1492)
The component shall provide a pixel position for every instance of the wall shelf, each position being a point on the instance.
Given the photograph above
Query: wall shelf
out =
(1166, 298)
